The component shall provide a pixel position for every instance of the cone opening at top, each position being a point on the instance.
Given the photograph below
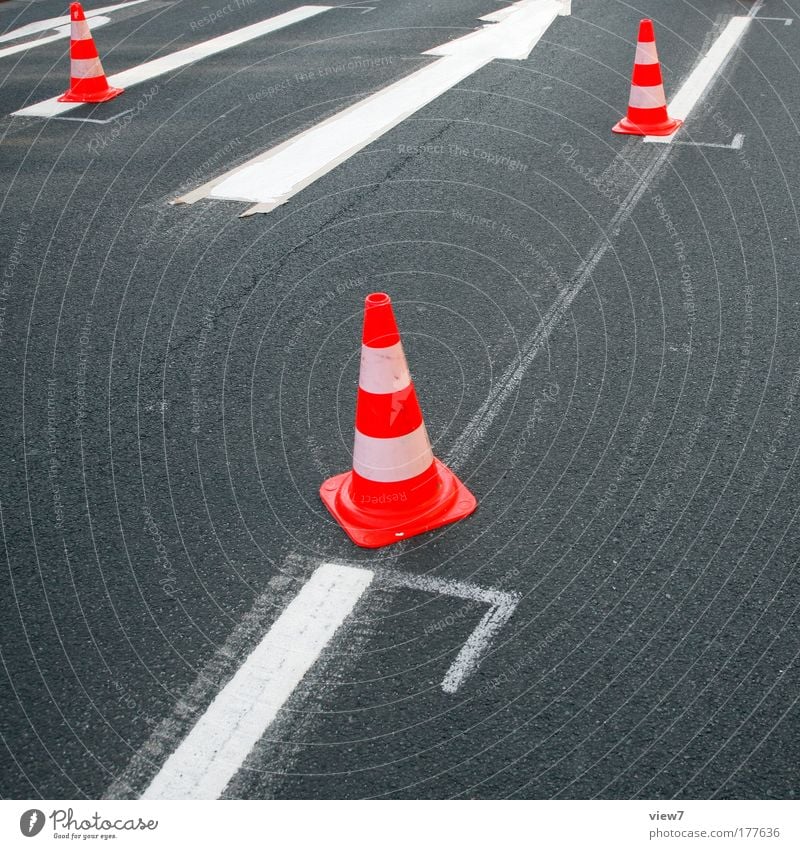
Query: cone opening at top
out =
(380, 327)
(646, 30)
(76, 12)
(378, 299)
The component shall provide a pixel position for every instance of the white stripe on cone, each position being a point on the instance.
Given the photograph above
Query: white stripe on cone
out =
(82, 69)
(646, 53)
(392, 460)
(383, 370)
(647, 96)
(80, 31)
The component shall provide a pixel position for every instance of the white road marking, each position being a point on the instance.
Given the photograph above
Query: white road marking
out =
(173, 61)
(703, 75)
(215, 748)
(273, 177)
(62, 31)
(202, 746)
(94, 120)
(736, 143)
(501, 607)
(787, 22)
(53, 23)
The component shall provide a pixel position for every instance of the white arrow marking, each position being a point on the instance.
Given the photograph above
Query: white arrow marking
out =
(273, 177)
(173, 61)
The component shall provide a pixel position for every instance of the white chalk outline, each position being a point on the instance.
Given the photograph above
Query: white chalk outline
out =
(502, 605)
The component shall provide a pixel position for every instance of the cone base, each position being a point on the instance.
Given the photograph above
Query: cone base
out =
(661, 128)
(98, 97)
(376, 528)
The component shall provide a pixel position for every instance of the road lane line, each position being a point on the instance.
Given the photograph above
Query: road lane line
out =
(220, 718)
(215, 748)
(173, 61)
(704, 74)
(507, 386)
(271, 178)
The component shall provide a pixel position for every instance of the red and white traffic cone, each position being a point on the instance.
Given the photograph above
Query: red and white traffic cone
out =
(397, 488)
(88, 83)
(647, 105)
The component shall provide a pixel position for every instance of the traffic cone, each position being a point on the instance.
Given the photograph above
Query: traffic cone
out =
(88, 83)
(647, 105)
(397, 488)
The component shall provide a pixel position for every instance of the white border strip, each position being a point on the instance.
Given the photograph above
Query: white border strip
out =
(158, 67)
(215, 748)
(703, 75)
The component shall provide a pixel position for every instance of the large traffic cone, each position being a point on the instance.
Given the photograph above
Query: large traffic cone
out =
(397, 488)
(88, 83)
(647, 105)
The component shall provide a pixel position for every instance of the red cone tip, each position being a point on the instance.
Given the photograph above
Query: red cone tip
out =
(380, 328)
(76, 12)
(646, 31)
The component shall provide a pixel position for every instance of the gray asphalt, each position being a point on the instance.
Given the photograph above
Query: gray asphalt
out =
(177, 382)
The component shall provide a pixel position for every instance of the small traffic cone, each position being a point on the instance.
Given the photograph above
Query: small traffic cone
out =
(397, 488)
(647, 105)
(88, 83)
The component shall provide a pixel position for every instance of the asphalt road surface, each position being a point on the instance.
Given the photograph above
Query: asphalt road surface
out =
(605, 339)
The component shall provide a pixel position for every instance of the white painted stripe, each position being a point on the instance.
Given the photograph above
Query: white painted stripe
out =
(646, 53)
(392, 460)
(512, 37)
(61, 20)
(273, 177)
(173, 61)
(215, 748)
(647, 96)
(705, 72)
(81, 69)
(383, 370)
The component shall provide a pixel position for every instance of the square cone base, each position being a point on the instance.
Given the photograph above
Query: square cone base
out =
(626, 127)
(100, 97)
(378, 527)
